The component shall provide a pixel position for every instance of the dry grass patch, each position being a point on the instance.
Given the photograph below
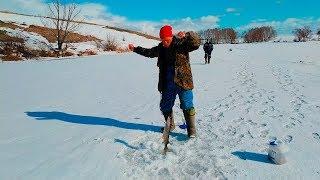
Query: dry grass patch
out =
(87, 52)
(51, 35)
(9, 25)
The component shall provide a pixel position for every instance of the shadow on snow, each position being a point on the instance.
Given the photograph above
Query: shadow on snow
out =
(91, 120)
(252, 156)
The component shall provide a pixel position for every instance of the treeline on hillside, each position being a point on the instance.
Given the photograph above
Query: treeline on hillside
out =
(257, 34)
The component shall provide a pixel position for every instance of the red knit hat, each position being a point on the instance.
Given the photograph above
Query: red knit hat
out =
(165, 31)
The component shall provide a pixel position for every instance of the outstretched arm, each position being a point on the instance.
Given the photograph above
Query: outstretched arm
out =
(151, 53)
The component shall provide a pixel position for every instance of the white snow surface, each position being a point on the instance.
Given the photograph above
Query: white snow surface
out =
(98, 117)
(122, 38)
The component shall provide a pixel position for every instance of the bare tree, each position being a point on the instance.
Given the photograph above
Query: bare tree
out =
(229, 35)
(206, 34)
(216, 35)
(302, 34)
(62, 19)
(260, 34)
(268, 33)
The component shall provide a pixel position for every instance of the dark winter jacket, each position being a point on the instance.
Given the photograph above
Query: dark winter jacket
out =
(208, 47)
(177, 55)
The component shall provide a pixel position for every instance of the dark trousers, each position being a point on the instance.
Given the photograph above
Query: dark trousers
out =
(169, 95)
(207, 57)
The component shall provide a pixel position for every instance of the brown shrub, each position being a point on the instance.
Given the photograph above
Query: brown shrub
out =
(4, 37)
(8, 48)
(67, 53)
(302, 34)
(14, 50)
(51, 54)
(87, 52)
(11, 57)
(110, 44)
(110, 47)
(43, 53)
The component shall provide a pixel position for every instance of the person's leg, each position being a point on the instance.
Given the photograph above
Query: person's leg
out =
(209, 57)
(189, 116)
(186, 104)
(168, 97)
(206, 58)
(186, 99)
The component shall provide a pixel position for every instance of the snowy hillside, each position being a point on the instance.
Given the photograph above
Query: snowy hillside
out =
(122, 39)
(98, 117)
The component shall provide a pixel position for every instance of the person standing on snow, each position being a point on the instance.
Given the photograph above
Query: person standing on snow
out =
(207, 47)
(175, 76)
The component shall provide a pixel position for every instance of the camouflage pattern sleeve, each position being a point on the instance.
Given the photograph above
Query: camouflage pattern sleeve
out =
(151, 53)
(190, 42)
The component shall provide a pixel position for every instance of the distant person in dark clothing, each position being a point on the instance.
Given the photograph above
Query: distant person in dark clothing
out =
(207, 47)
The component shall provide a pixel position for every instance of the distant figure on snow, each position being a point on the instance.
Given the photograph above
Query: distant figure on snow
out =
(175, 76)
(207, 47)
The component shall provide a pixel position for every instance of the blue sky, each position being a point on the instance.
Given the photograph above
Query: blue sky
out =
(148, 16)
(231, 12)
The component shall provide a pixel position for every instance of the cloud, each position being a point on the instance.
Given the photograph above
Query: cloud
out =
(283, 27)
(190, 24)
(144, 26)
(210, 19)
(231, 10)
(92, 10)
(184, 24)
(259, 20)
(98, 13)
(22, 6)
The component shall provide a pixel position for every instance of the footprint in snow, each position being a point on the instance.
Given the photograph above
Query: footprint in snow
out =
(264, 133)
(291, 125)
(288, 139)
(316, 136)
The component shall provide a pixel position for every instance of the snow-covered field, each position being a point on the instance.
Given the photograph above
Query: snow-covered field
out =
(98, 117)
